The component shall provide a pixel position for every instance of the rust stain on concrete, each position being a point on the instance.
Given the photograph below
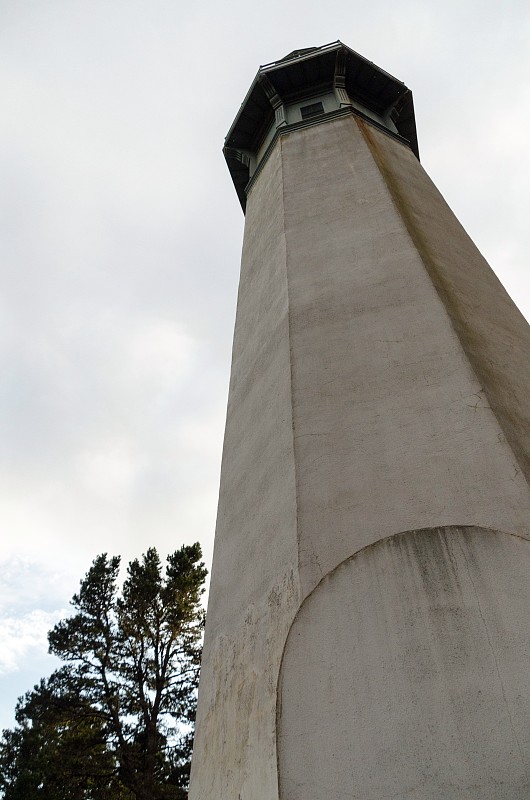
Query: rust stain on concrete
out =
(495, 339)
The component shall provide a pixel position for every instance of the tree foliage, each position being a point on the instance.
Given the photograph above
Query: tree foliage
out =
(116, 721)
(58, 749)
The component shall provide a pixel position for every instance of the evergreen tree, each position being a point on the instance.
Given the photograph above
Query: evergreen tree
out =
(116, 721)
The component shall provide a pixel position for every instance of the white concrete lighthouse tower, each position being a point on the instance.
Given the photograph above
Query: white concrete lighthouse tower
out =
(368, 631)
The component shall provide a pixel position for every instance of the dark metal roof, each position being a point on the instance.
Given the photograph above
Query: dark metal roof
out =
(298, 53)
(311, 71)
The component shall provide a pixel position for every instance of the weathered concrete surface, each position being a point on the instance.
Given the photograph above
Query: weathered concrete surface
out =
(392, 427)
(493, 333)
(406, 673)
(355, 413)
(254, 590)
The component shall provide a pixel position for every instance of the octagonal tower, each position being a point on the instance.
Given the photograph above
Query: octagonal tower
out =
(368, 632)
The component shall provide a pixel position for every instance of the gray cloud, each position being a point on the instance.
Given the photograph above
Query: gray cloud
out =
(121, 234)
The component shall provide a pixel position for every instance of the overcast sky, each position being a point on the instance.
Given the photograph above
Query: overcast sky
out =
(120, 244)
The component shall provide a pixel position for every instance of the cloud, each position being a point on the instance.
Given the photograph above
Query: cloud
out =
(26, 584)
(25, 637)
(31, 602)
(120, 239)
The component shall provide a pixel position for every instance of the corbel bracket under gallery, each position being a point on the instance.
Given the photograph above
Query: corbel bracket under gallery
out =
(274, 99)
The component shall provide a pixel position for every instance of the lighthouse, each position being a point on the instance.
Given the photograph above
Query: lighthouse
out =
(368, 626)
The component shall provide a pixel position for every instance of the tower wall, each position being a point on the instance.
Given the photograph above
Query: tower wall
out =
(254, 592)
(405, 673)
(393, 429)
(369, 397)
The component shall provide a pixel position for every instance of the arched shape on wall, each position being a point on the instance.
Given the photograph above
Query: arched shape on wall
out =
(406, 673)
